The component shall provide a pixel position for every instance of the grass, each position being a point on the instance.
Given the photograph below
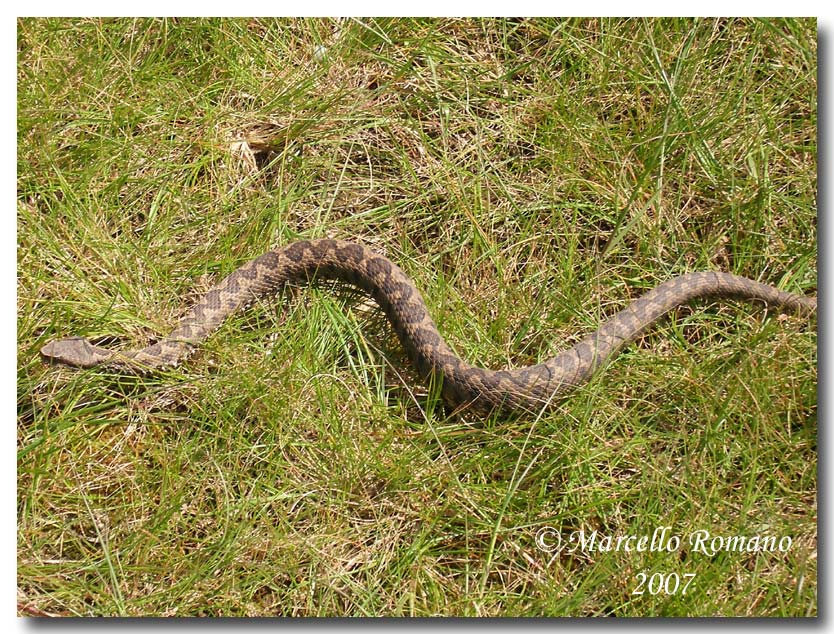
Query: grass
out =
(533, 176)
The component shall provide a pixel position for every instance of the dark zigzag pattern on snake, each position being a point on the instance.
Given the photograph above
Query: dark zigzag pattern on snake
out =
(463, 385)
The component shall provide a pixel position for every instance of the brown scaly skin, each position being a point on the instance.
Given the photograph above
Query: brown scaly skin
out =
(464, 386)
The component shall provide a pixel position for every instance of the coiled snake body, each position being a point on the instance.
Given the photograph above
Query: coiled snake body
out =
(463, 385)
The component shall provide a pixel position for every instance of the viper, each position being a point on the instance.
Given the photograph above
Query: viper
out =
(464, 386)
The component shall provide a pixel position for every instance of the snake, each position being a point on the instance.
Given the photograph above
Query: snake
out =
(464, 387)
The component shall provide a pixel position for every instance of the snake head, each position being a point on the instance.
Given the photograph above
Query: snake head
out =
(75, 351)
